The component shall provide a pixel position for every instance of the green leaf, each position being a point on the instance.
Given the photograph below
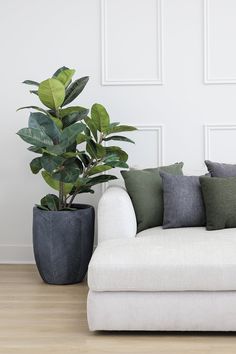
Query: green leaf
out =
(55, 150)
(36, 137)
(50, 201)
(51, 163)
(41, 121)
(99, 169)
(53, 183)
(110, 156)
(66, 111)
(91, 149)
(101, 151)
(68, 138)
(85, 190)
(35, 165)
(119, 164)
(84, 158)
(81, 138)
(114, 161)
(31, 82)
(57, 121)
(100, 179)
(36, 108)
(87, 132)
(95, 150)
(100, 118)
(81, 186)
(41, 207)
(115, 150)
(68, 175)
(119, 138)
(70, 133)
(35, 92)
(72, 147)
(59, 70)
(69, 154)
(74, 117)
(65, 76)
(121, 128)
(51, 93)
(75, 89)
(35, 149)
(92, 127)
(70, 172)
(114, 124)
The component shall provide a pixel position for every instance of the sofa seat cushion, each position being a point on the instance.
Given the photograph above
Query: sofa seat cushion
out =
(185, 259)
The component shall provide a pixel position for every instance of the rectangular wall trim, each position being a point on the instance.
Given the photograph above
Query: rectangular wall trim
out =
(160, 136)
(208, 79)
(208, 130)
(159, 129)
(106, 79)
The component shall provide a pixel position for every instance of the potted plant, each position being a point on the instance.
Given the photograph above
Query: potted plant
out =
(71, 157)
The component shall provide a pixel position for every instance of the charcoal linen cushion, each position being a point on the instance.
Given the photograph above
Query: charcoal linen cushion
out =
(183, 201)
(217, 169)
(220, 201)
(145, 190)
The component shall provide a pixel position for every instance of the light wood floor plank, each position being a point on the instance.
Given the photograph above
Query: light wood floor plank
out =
(36, 318)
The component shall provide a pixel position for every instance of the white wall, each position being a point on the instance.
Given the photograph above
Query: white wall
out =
(148, 67)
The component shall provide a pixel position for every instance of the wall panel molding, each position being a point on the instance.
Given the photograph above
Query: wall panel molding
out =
(208, 78)
(159, 130)
(106, 79)
(209, 130)
(206, 42)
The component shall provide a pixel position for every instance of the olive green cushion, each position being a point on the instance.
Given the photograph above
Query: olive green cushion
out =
(219, 196)
(145, 190)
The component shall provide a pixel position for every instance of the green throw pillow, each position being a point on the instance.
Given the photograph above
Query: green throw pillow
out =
(145, 190)
(219, 196)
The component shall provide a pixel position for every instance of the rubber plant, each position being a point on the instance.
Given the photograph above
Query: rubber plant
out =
(69, 142)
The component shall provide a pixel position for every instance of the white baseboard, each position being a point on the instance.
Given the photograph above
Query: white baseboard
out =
(16, 254)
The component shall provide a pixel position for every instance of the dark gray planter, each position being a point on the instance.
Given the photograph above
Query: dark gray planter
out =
(63, 243)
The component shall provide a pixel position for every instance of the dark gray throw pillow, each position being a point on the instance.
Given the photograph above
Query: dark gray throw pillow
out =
(217, 169)
(183, 201)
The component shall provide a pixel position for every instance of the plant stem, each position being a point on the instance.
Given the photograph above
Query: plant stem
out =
(101, 138)
(61, 190)
(57, 113)
(72, 198)
(90, 164)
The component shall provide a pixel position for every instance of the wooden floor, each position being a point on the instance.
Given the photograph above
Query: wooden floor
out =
(36, 318)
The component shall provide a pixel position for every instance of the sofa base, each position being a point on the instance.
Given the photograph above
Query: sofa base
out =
(162, 311)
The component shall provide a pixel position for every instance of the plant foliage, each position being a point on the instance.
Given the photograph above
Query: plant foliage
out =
(69, 144)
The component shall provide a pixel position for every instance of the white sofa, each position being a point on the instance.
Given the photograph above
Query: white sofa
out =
(177, 279)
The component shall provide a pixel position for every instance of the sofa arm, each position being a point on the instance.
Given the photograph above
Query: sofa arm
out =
(116, 216)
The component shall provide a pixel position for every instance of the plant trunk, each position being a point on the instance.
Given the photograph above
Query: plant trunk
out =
(61, 194)
(72, 199)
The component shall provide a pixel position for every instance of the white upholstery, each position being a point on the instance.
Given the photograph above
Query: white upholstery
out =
(176, 279)
(163, 311)
(166, 260)
(116, 216)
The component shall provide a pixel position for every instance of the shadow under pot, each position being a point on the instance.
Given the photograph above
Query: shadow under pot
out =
(63, 243)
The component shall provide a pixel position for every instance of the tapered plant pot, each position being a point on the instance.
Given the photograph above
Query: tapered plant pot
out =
(63, 243)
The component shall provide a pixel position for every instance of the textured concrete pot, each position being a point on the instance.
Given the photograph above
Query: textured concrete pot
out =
(63, 243)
